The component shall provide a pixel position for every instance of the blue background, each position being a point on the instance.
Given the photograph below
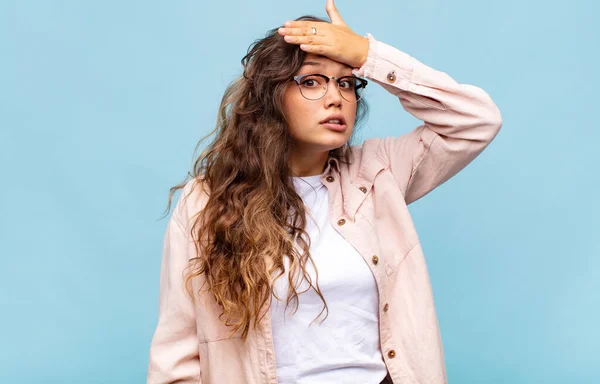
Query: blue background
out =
(102, 103)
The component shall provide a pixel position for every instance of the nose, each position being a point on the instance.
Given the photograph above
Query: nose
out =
(333, 97)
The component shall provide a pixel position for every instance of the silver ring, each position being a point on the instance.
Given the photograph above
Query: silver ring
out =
(314, 30)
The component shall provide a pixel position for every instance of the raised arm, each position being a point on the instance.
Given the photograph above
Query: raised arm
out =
(459, 120)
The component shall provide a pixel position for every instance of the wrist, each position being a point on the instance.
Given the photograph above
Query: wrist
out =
(364, 51)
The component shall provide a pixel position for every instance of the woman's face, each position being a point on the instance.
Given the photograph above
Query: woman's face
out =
(307, 119)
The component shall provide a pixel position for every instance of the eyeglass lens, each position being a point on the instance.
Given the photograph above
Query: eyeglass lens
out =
(314, 87)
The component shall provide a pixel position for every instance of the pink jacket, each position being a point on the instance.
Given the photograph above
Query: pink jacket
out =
(368, 206)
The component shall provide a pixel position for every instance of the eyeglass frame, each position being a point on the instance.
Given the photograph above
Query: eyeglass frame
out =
(363, 84)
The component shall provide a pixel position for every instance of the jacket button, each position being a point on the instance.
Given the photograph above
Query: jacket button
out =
(330, 179)
(375, 259)
(386, 307)
(391, 77)
(363, 189)
(391, 354)
(341, 221)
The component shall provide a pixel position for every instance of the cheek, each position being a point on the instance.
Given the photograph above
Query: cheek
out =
(297, 112)
(351, 114)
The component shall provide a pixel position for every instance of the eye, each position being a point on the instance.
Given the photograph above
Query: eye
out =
(312, 82)
(347, 84)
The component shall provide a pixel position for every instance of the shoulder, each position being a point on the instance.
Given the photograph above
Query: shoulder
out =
(191, 202)
(368, 151)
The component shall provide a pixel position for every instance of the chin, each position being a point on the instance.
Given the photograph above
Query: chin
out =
(331, 145)
(336, 139)
(325, 142)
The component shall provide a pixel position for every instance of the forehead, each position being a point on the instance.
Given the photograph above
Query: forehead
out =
(321, 62)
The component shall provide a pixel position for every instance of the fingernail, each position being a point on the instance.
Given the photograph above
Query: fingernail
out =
(281, 30)
(288, 24)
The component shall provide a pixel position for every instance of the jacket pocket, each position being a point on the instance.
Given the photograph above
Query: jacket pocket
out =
(397, 258)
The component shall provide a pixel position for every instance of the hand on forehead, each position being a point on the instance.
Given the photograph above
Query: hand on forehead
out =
(334, 40)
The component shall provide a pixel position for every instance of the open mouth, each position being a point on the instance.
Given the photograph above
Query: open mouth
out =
(336, 123)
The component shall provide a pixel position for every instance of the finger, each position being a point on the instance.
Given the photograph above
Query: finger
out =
(333, 13)
(296, 31)
(310, 40)
(298, 24)
(322, 50)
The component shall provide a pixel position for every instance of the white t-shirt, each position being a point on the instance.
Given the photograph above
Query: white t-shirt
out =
(344, 348)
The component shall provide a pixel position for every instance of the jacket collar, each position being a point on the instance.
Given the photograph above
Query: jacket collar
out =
(332, 164)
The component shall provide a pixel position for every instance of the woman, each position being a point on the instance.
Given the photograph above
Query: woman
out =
(291, 256)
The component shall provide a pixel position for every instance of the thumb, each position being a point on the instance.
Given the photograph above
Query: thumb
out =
(333, 13)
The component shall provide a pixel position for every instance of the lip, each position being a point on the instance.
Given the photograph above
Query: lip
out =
(334, 127)
(336, 116)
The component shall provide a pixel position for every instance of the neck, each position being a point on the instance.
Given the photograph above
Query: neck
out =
(308, 164)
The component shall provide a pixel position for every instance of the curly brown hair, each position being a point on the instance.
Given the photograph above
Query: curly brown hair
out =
(253, 212)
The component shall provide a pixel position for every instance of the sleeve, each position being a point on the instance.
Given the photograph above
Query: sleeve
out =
(174, 356)
(459, 120)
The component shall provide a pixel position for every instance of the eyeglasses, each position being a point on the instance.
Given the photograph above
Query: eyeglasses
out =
(314, 86)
